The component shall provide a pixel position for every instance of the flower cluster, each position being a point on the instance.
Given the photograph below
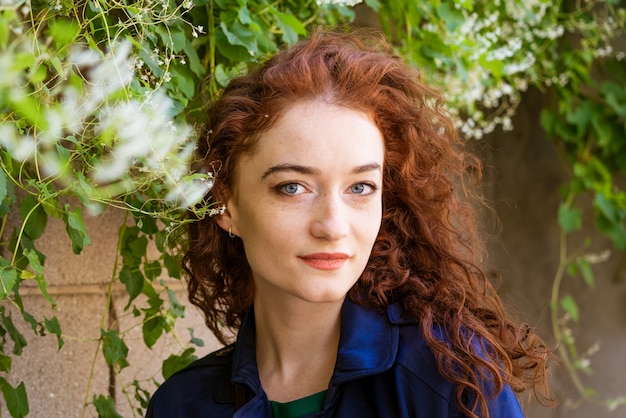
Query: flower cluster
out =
(495, 56)
(94, 135)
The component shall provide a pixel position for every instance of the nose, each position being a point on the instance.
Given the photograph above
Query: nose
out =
(330, 217)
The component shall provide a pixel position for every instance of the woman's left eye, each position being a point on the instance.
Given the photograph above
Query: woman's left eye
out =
(362, 188)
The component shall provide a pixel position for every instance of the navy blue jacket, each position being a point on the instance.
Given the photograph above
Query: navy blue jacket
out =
(384, 369)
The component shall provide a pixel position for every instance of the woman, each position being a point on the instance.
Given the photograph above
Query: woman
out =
(346, 256)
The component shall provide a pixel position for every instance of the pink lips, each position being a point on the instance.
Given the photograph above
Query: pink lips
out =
(325, 261)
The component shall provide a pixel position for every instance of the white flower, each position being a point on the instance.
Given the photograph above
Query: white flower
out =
(21, 148)
(188, 191)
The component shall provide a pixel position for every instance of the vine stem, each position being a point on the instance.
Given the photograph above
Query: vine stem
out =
(105, 313)
(554, 307)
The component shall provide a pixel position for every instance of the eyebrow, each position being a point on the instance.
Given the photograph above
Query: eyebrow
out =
(302, 169)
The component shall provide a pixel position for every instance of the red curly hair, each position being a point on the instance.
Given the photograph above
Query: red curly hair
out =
(427, 252)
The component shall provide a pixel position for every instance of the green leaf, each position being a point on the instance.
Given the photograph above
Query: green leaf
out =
(138, 247)
(114, 348)
(15, 398)
(30, 109)
(53, 327)
(34, 262)
(195, 65)
(195, 340)
(607, 208)
(105, 406)
(452, 18)
(34, 215)
(586, 272)
(133, 280)
(63, 32)
(172, 264)
(3, 184)
(76, 229)
(152, 270)
(569, 218)
(572, 269)
(289, 25)
(6, 19)
(152, 330)
(238, 34)
(19, 342)
(175, 363)
(177, 309)
(5, 363)
(568, 304)
(373, 4)
(615, 97)
(8, 278)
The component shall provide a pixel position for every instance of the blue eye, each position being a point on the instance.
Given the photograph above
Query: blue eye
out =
(291, 188)
(362, 188)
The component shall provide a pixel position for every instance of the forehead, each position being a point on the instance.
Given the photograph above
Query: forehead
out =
(319, 133)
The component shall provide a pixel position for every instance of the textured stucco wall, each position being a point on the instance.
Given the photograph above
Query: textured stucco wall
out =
(524, 175)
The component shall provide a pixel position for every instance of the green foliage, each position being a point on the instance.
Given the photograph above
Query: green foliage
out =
(15, 398)
(86, 85)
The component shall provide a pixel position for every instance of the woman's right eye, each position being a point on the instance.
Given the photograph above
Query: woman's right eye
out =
(291, 188)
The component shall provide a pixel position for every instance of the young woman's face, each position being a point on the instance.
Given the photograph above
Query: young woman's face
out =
(307, 203)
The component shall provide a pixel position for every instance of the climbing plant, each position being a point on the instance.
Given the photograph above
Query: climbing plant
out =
(99, 99)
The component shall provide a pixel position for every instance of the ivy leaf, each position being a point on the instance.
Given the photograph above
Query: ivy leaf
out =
(373, 4)
(152, 270)
(76, 230)
(610, 219)
(453, 18)
(569, 305)
(3, 185)
(63, 32)
(172, 264)
(5, 23)
(586, 272)
(19, 342)
(152, 329)
(195, 65)
(105, 406)
(238, 34)
(8, 278)
(114, 348)
(175, 362)
(569, 218)
(195, 340)
(5, 363)
(615, 96)
(133, 280)
(15, 398)
(175, 307)
(53, 327)
(34, 215)
(34, 263)
(289, 25)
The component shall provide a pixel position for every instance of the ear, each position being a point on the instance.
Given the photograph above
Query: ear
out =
(227, 220)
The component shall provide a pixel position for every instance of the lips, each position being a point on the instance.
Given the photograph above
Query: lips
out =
(325, 261)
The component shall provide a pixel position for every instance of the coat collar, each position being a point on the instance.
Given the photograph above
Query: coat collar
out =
(368, 345)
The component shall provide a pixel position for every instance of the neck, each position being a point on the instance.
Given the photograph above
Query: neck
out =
(296, 346)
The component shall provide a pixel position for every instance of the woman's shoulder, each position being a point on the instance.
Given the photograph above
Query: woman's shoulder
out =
(205, 382)
(418, 359)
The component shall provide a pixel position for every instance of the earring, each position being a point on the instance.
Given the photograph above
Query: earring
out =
(230, 232)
